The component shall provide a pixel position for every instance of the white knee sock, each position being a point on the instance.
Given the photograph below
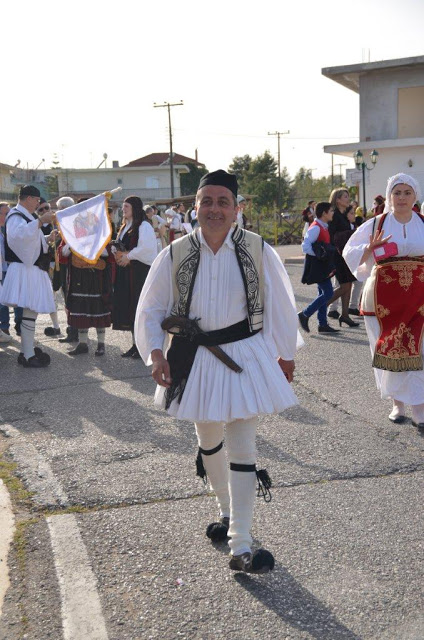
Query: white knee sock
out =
(83, 335)
(54, 319)
(241, 447)
(27, 332)
(101, 332)
(210, 435)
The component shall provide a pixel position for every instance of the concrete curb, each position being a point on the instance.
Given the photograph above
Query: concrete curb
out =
(7, 520)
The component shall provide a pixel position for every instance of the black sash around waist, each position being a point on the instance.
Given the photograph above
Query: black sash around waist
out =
(183, 350)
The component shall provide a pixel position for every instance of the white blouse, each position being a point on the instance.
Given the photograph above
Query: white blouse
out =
(409, 238)
(147, 248)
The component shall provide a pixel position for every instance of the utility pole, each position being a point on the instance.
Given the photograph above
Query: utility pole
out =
(171, 160)
(278, 134)
(340, 165)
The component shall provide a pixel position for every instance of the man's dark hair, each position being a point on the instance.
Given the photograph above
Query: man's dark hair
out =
(310, 202)
(322, 207)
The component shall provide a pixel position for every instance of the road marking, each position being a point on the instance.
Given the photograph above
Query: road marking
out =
(82, 615)
(6, 535)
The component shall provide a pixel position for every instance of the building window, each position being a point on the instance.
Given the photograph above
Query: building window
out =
(119, 180)
(411, 112)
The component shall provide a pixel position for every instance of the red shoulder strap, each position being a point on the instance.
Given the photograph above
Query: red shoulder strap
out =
(381, 222)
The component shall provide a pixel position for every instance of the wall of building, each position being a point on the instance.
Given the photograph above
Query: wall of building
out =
(379, 101)
(390, 162)
(154, 183)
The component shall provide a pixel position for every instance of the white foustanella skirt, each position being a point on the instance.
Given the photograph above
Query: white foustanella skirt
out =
(27, 287)
(215, 393)
(407, 386)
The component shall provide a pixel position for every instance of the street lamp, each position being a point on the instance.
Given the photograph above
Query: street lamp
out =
(360, 164)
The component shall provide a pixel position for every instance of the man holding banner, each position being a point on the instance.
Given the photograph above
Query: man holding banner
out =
(86, 232)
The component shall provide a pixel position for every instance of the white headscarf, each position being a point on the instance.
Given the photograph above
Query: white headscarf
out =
(400, 178)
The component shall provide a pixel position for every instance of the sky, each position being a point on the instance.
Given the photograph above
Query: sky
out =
(81, 78)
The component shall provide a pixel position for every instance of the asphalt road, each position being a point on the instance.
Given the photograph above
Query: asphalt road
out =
(112, 544)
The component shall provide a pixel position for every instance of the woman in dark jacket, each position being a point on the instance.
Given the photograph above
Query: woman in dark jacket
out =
(340, 231)
(135, 250)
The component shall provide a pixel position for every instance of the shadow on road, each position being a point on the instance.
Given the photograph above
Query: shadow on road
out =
(294, 604)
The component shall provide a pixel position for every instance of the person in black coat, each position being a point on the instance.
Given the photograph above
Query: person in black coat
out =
(340, 231)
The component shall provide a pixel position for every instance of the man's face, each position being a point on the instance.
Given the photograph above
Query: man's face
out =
(31, 203)
(181, 208)
(4, 210)
(43, 208)
(216, 210)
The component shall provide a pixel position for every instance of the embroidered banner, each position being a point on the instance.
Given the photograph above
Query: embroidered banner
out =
(399, 307)
(86, 227)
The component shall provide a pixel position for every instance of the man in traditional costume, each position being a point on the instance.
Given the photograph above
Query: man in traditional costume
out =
(222, 287)
(28, 284)
(387, 252)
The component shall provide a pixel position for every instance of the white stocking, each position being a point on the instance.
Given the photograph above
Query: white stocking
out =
(209, 436)
(27, 332)
(241, 447)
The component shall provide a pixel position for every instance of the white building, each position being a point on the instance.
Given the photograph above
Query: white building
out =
(148, 177)
(391, 98)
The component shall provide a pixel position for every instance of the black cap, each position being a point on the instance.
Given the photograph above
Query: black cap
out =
(220, 178)
(42, 201)
(29, 190)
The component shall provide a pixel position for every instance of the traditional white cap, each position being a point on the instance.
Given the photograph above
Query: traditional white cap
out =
(400, 178)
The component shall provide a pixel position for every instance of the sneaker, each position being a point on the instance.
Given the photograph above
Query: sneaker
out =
(51, 331)
(325, 328)
(333, 314)
(5, 337)
(303, 320)
(261, 561)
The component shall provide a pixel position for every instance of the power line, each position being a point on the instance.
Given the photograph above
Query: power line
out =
(249, 135)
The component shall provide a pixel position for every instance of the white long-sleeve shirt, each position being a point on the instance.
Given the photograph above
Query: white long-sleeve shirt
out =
(25, 239)
(311, 236)
(147, 248)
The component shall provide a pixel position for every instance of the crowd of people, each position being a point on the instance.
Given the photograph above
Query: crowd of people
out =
(100, 296)
(223, 286)
(377, 266)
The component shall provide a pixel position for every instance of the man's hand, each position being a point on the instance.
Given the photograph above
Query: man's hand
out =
(46, 218)
(51, 238)
(161, 373)
(287, 367)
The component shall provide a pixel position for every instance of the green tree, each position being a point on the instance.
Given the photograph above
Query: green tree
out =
(189, 182)
(240, 166)
(52, 186)
(261, 180)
